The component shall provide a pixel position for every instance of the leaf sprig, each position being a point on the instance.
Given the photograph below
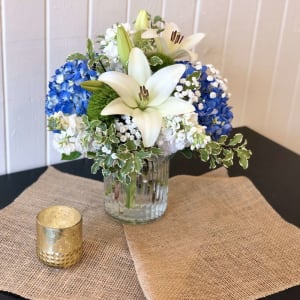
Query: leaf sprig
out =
(223, 152)
(123, 159)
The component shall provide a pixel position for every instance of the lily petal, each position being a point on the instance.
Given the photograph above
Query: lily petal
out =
(192, 40)
(193, 55)
(175, 106)
(167, 33)
(162, 83)
(149, 34)
(116, 107)
(124, 85)
(138, 66)
(149, 123)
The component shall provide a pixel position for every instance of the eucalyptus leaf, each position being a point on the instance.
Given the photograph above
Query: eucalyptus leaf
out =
(73, 155)
(76, 56)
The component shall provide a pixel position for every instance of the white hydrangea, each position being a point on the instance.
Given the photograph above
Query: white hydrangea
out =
(180, 132)
(109, 47)
(72, 133)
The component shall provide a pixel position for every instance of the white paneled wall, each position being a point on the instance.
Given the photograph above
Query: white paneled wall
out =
(255, 44)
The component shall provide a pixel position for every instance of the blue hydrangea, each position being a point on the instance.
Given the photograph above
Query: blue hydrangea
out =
(65, 93)
(211, 103)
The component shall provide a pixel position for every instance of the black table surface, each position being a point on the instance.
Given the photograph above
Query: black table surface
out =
(274, 170)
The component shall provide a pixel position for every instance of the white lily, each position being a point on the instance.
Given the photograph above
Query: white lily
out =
(173, 44)
(144, 97)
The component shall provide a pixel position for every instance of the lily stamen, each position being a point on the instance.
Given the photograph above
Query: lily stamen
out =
(144, 96)
(176, 37)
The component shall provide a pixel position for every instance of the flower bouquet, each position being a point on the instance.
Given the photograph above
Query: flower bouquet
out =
(137, 96)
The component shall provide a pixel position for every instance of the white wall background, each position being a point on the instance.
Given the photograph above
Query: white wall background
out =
(255, 44)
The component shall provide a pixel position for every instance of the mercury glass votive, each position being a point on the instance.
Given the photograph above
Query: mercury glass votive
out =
(59, 236)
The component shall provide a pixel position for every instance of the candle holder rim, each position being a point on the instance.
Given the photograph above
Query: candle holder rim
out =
(59, 227)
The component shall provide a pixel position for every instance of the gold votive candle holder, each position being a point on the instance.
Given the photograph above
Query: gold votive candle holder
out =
(59, 236)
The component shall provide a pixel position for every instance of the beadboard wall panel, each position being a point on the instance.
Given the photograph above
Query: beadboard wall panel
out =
(236, 60)
(255, 44)
(281, 117)
(24, 80)
(65, 35)
(292, 136)
(263, 62)
(103, 16)
(134, 6)
(2, 110)
(213, 22)
(171, 13)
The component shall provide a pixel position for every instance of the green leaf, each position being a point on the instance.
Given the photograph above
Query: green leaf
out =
(166, 61)
(108, 161)
(204, 155)
(195, 74)
(228, 155)
(155, 151)
(90, 49)
(157, 19)
(76, 56)
(91, 155)
(227, 163)
(222, 139)
(131, 146)
(143, 154)
(155, 60)
(99, 99)
(187, 153)
(128, 167)
(123, 156)
(244, 155)
(237, 139)
(106, 172)
(212, 163)
(215, 148)
(73, 155)
(92, 85)
(114, 139)
(243, 152)
(243, 161)
(138, 164)
(95, 167)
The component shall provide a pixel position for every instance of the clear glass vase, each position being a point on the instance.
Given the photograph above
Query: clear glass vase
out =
(144, 199)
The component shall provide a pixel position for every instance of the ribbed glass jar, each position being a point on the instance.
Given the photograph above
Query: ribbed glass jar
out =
(144, 199)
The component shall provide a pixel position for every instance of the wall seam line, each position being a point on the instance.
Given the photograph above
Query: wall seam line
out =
(47, 70)
(197, 16)
(128, 11)
(4, 90)
(276, 64)
(89, 18)
(225, 45)
(293, 101)
(251, 61)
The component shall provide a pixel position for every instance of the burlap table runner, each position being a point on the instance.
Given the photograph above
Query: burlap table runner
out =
(219, 239)
(106, 270)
